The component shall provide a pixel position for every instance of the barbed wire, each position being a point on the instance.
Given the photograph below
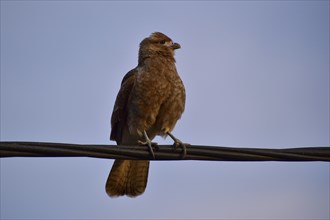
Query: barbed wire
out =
(162, 152)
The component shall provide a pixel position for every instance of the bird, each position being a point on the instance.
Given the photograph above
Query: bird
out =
(150, 101)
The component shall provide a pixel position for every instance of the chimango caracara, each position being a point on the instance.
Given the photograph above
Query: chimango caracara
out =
(150, 101)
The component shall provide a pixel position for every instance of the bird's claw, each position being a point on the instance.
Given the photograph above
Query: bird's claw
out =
(149, 144)
(177, 143)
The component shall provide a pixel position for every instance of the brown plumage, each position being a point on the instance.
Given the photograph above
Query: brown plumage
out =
(149, 103)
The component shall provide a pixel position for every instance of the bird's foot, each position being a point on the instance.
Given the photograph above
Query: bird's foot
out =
(149, 144)
(177, 143)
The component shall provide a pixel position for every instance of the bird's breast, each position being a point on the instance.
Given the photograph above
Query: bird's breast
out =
(157, 100)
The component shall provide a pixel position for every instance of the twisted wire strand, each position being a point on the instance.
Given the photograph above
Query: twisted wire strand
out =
(162, 152)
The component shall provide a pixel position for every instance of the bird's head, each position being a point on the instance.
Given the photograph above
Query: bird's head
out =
(157, 44)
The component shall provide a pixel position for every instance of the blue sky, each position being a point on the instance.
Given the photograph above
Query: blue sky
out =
(256, 75)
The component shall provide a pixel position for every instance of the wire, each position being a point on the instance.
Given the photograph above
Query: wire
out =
(162, 152)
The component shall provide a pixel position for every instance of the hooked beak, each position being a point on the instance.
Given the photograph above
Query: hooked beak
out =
(176, 46)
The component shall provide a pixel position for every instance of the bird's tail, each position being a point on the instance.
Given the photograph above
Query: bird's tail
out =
(127, 177)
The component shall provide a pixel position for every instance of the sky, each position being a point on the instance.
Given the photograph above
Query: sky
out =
(256, 75)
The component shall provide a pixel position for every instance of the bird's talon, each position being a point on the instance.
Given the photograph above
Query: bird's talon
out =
(177, 143)
(182, 145)
(150, 146)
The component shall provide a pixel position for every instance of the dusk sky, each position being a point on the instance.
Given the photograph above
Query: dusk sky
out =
(256, 75)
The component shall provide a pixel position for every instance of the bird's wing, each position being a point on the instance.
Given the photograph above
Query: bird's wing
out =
(119, 113)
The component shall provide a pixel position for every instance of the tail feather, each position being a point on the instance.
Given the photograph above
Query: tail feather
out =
(127, 177)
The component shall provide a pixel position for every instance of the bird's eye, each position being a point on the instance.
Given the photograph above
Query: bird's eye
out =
(162, 42)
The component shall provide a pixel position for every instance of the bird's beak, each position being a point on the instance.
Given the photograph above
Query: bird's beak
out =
(176, 46)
